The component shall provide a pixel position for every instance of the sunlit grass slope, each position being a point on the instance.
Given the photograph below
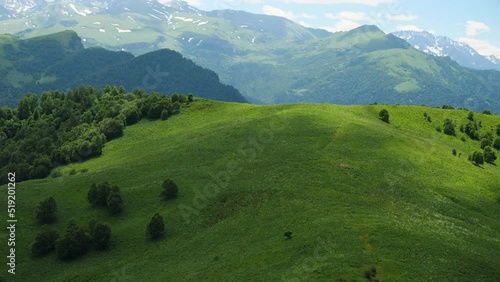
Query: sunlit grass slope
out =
(356, 192)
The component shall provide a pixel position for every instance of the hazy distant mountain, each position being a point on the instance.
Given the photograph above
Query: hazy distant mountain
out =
(272, 59)
(59, 61)
(460, 52)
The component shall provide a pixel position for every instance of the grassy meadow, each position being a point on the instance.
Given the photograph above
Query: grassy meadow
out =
(356, 192)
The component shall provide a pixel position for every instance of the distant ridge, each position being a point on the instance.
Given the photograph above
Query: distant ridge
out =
(59, 61)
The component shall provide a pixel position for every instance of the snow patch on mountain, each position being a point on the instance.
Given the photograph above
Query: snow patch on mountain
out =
(442, 46)
(122, 30)
(81, 13)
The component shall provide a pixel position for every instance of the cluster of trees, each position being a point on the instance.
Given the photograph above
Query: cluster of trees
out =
(61, 128)
(77, 240)
(156, 226)
(449, 127)
(488, 142)
(106, 195)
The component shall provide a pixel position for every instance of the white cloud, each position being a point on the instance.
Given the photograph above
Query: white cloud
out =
(409, 27)
(473, 28)
(402, 17)
(307, 16)
(348, 15)
(321, 2)
(302, 23)
(273, 11)
(193, 2)
(342, 25)
(483, 47)
(330, 2)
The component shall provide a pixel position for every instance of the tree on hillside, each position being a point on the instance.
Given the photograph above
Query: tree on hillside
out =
(75, 242)
(112, 128)
(101, 236)
(384, 115)
(164, 115)
(156, 227)
(45, 242)
(98, 194)
(27, 105)
(175, 97)
(106, 195)
(496, 143)
(46, 211)
(115, 201)
(471, 130)
(449, 127)
(477, 158)
(470, 116)
(489, 155)
(485, 142)
(169, 189)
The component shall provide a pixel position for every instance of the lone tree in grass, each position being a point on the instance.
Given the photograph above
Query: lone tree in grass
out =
(288, 235)
(46, 211)
(384, 115)
(45, 242)
(156, 227)
(102, 236)
(115, 202)
(489, 155)
(169, 189)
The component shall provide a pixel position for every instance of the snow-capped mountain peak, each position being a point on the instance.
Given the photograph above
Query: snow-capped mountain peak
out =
(492, 58)
(441, 46)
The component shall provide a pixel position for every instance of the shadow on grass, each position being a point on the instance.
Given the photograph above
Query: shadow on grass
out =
(478, 165)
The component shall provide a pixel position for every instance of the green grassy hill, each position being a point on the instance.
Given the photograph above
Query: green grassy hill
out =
(356, 192)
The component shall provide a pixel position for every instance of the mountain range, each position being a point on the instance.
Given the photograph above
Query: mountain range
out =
(269, 59)
(59, 61)
(441, 46)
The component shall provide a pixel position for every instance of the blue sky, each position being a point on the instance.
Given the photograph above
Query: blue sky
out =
(474, 22)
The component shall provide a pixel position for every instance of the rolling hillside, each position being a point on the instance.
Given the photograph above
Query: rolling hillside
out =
(357, 193)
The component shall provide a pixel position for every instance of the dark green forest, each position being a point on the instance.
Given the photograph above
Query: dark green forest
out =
(60, 62)
(65, 127)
